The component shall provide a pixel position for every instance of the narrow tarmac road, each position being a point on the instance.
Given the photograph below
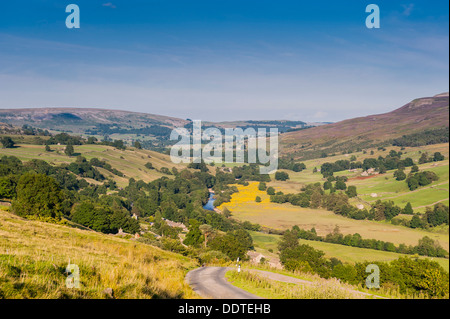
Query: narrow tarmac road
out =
(210, 282)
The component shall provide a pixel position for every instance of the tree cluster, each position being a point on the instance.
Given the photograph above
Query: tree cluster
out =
(410, 275)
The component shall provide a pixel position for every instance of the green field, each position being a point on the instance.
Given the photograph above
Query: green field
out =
(264, 242)
(284, 216)
(387, 188)
(384, 186)
(130, 162)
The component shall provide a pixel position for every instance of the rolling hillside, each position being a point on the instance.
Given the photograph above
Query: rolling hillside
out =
(362, 132)
(79, 120)
(153, 131)
(131, 162)
(34, 256)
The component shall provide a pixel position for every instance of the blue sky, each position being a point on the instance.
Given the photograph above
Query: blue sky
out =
(224, 59)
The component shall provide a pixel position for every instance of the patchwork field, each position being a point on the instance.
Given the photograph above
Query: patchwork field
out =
(266, 244)
(284, 216)
(386, 187)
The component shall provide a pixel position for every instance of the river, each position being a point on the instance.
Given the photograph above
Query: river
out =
(209, 205)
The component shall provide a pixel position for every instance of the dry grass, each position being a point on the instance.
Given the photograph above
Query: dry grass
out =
(271, 289)
(34, 255)
(318, 288)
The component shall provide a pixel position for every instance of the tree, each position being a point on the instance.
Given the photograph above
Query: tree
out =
(438, 215)
(258, 199)
(316, 199)
(421, 179)
(298, 167)
(39, 196)
(206, 231)
(438, 157)
(7, 187)
(416, 222)
(399, 175)
(226, 212)
(291, 258)
(149, 165)
(244, 238)
(424, 158)
(137, 145)
(288, 241)
(96, 217)
(270, 190)
(69, 150)
(230, 245)
(120, 218)
(281, 176)
(119, 144)
(340, 185)
(382, 169)
(429, 247)
(47, 148)
(421, 275)
(7, 142)
(413, 183)
(414, 169)
(91, 140)
(408, 209)
(262, 186)
(194, 237)
(351, 191)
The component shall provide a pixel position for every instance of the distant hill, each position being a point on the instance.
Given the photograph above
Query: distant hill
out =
(79, 120)
(152, 130)
(298, 139)
(419, 115)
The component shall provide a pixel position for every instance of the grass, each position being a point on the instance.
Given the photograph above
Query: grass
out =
(264, 242)
(307, 176)
(271, 289)
(387, 188)
(34, 255)
(130, 162)
(284, 216)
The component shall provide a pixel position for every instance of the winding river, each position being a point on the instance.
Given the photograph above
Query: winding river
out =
(209, 205)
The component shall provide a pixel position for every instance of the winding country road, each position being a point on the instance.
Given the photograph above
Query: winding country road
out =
(210, 282)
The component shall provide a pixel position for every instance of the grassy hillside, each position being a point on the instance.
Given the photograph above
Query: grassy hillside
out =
(384, 185)
(387, 188)
(416, 116)
(131, 162)
(34, 256)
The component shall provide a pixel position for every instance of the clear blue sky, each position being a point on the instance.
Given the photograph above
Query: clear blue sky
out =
(224, 59)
